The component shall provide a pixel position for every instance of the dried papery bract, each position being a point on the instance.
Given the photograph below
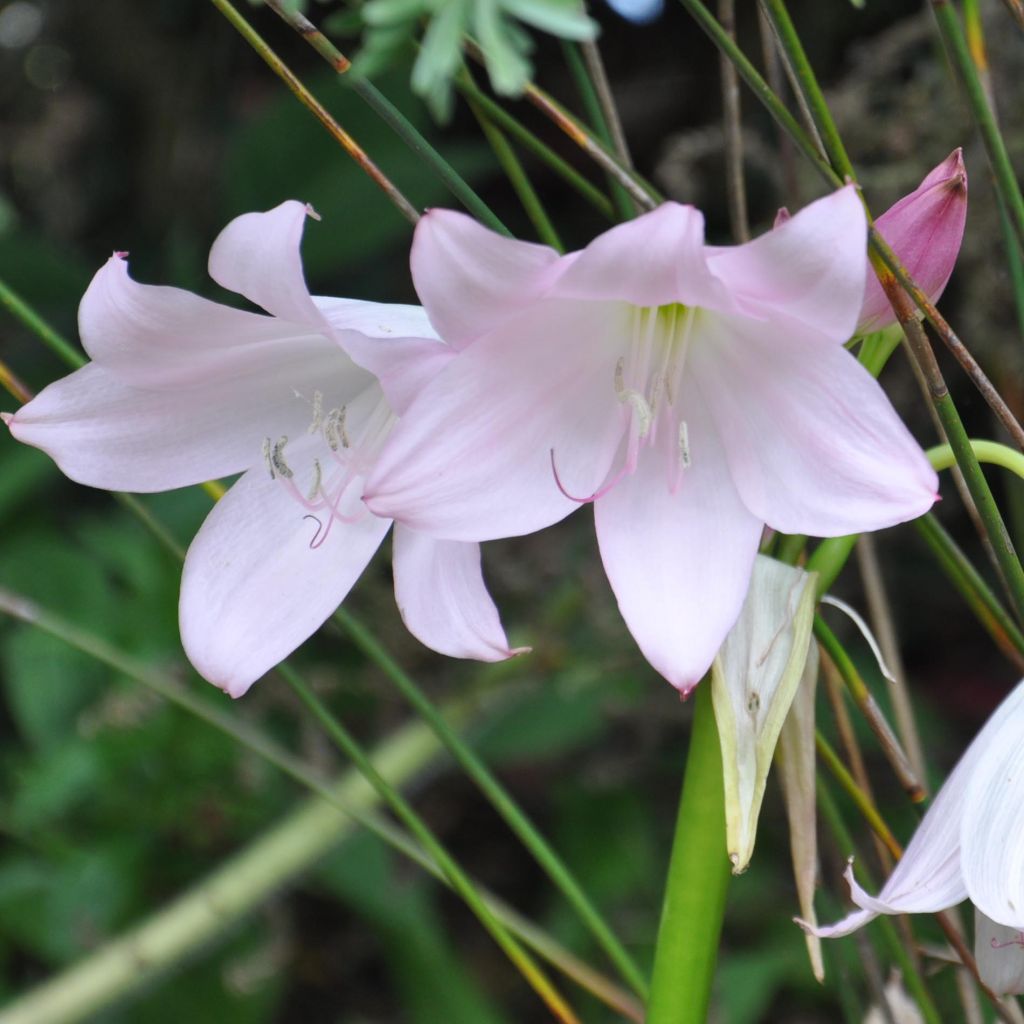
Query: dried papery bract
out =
(754, 679)
(796, 761)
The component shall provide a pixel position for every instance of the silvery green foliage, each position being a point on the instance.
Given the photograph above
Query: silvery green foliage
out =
(496, 25)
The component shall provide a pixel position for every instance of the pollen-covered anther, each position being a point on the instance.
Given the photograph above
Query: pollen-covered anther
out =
(685, 459)
(334, 430)
(277, 460)
(318, 413)
(318, 476)
(631, 397)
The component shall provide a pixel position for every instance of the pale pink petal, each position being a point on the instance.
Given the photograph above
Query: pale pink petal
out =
(999, 951)
(679, 563)
(811, 267)
(440, 590)
(993, 825)
(253, 589)
(395, 343)
(105, 433)
(257, 255)
(812, 441)
(163, 338)
(947, 856)
(655, 260)
(472, 457)
(471, 279)
(925, 229)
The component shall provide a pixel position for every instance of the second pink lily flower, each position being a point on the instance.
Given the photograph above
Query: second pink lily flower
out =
(691, 393)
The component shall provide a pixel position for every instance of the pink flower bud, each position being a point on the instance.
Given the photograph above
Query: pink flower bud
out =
(925, 230)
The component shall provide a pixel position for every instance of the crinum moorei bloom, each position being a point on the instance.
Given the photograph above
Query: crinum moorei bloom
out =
(691, 393)
(182, 390)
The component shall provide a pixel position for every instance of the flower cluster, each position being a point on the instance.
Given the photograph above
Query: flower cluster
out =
(691, 393)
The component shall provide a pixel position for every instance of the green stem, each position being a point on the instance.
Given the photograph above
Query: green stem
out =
(391, 116)
(1002, 170)
(761, 89)
(979, 596)
(790, 41)
(459, 881)
(942, 456)
(417, 737)
(500, 799)
(516, 130)
(235, 889)
(596, 118)
(698, 880)
(518, 179)
(21, 310)
(319, 111)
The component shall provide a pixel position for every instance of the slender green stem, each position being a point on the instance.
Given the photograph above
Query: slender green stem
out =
(391, 116)
(698, 880)
(319, 111)
(130, 962)
(516, 130)
(956, 46)
(943, 457)
(500, 799)
(595, 114)
(808, 82)
(761, 89)
(518, 179)
(460, 882)
(980, 597)
(418, 737)
(865, 701)
(22, 311)
(865, 805)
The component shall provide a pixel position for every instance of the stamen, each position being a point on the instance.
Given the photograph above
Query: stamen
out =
(334, 430)
(268, 459)
(277, 460)
(599, 493)
(314, 489)
(318, 412)
(684, 445)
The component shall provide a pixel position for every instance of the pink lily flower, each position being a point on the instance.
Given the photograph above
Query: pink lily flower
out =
(182, 390)
(969, 845)
(691, 393)
(925, 229)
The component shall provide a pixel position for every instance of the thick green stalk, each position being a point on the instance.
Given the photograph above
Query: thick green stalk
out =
(1002, 170)
(460, 882)
(500, 799)
(698, 880)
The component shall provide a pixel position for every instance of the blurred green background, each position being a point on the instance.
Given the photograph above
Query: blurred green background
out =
(145, 127)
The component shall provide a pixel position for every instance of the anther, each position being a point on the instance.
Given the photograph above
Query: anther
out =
(334, 430)
(318, 476)
(267, 459)
(277, 460)
(632, 398)
(684, 445)
(318, 412)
